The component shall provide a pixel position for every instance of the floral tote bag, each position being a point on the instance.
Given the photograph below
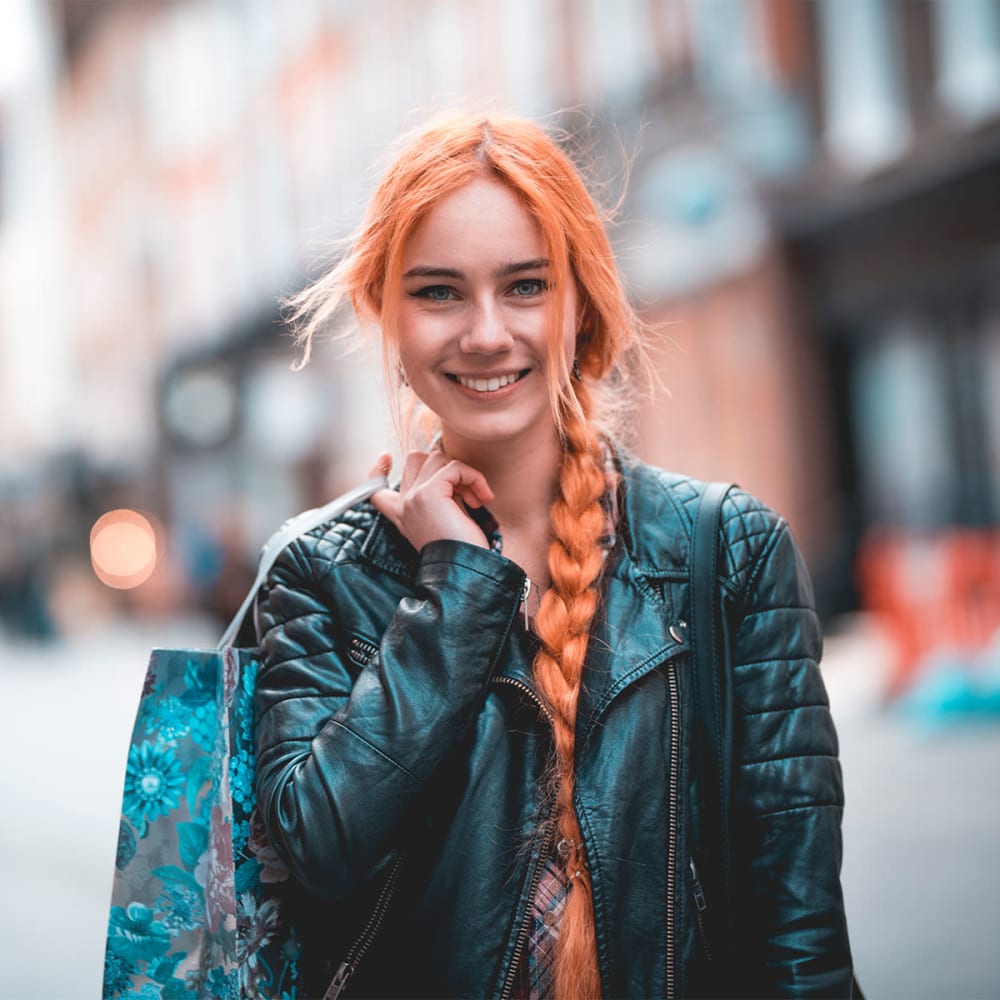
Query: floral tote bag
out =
(201, 902)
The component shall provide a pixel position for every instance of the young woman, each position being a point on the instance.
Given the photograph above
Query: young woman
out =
(475, 711)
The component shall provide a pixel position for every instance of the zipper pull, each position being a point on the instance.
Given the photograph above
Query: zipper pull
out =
(699, 893)
(524, 600)
(339, 981)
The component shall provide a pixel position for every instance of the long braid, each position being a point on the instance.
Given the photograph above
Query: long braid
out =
(563, 624)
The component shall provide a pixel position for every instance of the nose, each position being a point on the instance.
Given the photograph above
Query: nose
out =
(487, 330)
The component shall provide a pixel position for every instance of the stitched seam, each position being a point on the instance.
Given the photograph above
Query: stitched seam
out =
(657, 658)
(797, 809)
(778, 659)
(288, 741)
(788, 756)
(788, 708)
(779, 607)
(679, 505)
(383, 755)
(340, 696)
(470, 569)
(271, 664)
(770, 545)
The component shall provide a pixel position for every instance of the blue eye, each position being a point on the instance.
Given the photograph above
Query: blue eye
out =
(528, 286)
(434, 293)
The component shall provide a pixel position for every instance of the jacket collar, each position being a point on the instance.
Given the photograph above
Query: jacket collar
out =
(640, 623)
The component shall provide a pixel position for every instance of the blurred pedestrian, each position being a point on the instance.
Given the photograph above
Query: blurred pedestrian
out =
(475, 710)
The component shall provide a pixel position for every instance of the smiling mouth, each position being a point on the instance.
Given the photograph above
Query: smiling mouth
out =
(488, 384)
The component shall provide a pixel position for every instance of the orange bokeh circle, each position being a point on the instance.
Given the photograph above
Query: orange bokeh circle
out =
(123, 548)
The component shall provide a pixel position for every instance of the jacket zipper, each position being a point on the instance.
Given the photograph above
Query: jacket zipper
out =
(701, 905)
(366, 937)
(361, 650)
(522, 687)
(536, 875)
(671, 972)
(522, 934)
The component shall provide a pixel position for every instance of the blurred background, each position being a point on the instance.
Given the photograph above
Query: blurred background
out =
(812, 215)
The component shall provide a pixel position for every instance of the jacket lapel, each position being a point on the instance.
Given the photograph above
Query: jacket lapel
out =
(636, 633)
(640, 622)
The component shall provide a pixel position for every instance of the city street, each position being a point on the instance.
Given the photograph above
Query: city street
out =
(921, 870)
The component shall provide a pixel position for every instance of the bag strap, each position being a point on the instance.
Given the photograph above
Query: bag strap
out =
(294, 528)
(713, 710)
(714, 707)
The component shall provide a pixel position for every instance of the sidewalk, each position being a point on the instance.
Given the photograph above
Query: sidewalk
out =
(921, 868)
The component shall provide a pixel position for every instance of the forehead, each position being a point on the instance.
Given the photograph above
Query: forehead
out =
(483, 221)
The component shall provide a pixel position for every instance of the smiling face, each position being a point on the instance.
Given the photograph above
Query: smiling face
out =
(474, 317)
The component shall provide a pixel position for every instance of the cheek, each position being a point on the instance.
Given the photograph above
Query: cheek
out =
(414, 335)
(571, 325)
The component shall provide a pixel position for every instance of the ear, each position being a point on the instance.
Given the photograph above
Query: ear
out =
(584, 325)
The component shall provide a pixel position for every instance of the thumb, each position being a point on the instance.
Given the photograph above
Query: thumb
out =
(382, 465)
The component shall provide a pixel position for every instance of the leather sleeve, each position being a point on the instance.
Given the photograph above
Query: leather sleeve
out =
(343, 752)
(788, 794)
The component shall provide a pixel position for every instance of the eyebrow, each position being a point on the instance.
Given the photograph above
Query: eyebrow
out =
(515, 267)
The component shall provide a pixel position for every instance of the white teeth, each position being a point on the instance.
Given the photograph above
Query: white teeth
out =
(487, 384)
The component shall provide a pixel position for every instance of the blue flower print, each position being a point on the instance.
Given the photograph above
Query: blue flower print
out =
(241, 779)
(258, 924)
(169, 719)
(150, 991)
(118, 973)
(222, 985)
(182, 905)
(162, 971)
(134, 934)
(154, 783)
(245, 704)
(241, 834)
(203, 725)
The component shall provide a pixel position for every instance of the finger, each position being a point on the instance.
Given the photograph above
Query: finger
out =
(411, 469)
(389, 504)
(432, 465)
(382, 466)
(468, 483)
(467, 497)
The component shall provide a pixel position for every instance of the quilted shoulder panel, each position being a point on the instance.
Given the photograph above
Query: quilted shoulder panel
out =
(747, 526)
(747, 523)
(340, 540)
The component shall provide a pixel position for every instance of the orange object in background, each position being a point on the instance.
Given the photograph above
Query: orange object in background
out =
(933, 592)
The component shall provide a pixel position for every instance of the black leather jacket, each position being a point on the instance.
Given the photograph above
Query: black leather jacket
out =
(397, 713)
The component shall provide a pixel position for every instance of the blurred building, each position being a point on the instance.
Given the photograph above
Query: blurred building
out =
(824, 181)
(810, 220)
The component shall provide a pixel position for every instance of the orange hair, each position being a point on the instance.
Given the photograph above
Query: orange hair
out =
(437, 161)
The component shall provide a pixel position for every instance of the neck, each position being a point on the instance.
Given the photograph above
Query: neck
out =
(524, 476)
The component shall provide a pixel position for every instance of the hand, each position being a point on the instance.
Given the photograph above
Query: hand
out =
(429, 504)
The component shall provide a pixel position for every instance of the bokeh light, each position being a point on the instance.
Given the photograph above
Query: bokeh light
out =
(123, 548)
